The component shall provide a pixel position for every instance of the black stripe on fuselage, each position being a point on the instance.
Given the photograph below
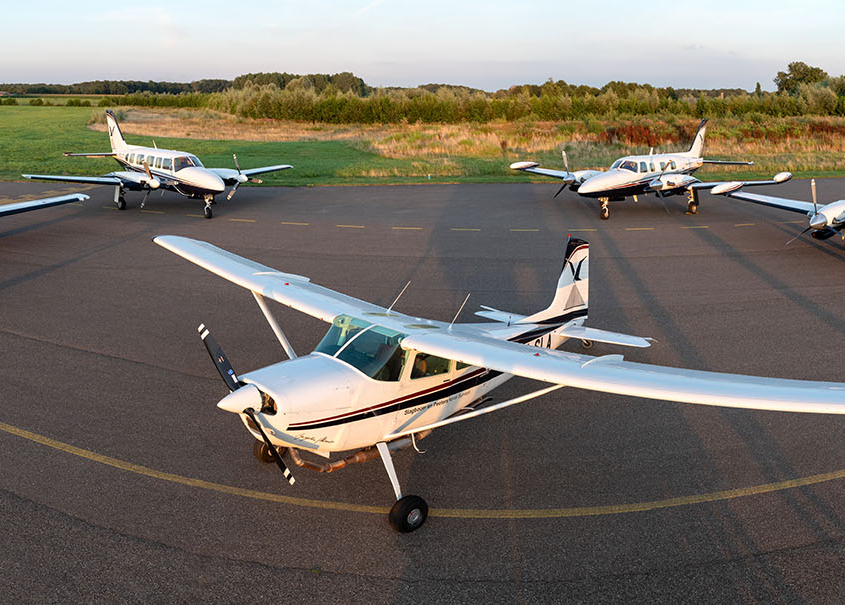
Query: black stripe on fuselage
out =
(459, 385)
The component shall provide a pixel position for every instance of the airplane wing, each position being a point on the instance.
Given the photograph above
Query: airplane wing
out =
(611, 374)
(230, 175)
(94, 180)
(776, 202)
(291, 290)
(725, 187)
(534, 168)
(17, 207)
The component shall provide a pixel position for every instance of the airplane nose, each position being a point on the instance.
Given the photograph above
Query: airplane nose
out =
(248, 396)
(818, 221)
(214, 183)
(591, 185)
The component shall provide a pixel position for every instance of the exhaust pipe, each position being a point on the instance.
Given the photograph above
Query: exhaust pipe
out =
(364, 455)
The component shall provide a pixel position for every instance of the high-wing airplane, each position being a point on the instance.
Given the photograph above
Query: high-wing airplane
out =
(148, 168)
(662, 173)
(47, 202)
(380, 380)
(825, 221)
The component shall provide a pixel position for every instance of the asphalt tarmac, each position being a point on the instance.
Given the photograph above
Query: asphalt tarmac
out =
(121, 481)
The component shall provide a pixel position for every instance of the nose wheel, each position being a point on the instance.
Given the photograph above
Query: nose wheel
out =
(605, 211)
(408, 514)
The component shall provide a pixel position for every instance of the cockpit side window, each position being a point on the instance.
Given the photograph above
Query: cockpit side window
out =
(181, 162)
(628, 165)
(643, 167)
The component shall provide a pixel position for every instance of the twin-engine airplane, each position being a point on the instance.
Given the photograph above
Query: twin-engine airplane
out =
(380, 380)
(149, 168)
(46, 202)
(663, 174)
(824, 221)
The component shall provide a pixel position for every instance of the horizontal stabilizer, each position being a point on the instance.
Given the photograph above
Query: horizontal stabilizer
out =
(18, 207)
(614, 338)
(97, 154)
(728, 162)
(500, 316)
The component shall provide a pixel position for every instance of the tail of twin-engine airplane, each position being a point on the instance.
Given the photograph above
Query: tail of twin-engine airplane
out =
(115, 136)
(697, 146)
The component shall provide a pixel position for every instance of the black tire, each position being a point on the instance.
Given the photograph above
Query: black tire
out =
(408, 514)
(692, 208)
(207, 212)
(605, 214)
(262, 452)
(121, 203)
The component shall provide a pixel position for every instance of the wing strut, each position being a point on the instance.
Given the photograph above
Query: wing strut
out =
(277, 330)
(481, 412)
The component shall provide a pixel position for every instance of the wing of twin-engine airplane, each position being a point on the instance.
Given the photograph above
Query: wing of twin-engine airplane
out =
(775, 202)
(534, 168)
(468, 344)
(724, 187)
(18, 207)
(127, 178)
(230, 175)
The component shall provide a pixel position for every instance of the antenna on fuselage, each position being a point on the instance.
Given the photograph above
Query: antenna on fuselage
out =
(459, 310)
(395, 300)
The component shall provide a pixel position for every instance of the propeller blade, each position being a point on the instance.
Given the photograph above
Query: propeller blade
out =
(232, 192)
(813, 189)
(797, 236)
(221, 362)
(565, 160)
(235, 158)
(273, 451)
(562, 187)
(152, 182)
(662, 200)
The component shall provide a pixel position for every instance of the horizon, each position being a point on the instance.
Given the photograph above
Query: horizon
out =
(490, 46)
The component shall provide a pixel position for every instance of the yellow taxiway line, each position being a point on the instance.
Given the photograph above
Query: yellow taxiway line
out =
(458, 513)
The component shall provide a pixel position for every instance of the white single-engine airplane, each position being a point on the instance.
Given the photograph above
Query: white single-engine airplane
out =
(663, 174)
(825, 221)
(47, 202)
(149, 168)
(379, 380)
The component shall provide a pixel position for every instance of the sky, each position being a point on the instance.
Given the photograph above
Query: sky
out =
(487, 45)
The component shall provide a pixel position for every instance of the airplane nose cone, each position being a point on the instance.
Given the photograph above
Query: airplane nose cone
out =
(592, 185)
(248, 396)
(214, 183)
(818, 221)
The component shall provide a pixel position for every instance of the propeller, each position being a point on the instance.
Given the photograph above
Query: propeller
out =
(659, 191)
(242, 178)
(240, 394)
(566, 166)
(818, 222)
(152, 182)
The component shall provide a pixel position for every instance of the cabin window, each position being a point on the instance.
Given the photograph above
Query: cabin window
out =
(167, 164)
(428, 365)
(643, 167)
(140, 159)
(672, 164)
(460, 365)
(131, 158)
(158, 162)
(628, 165)
(651, 166)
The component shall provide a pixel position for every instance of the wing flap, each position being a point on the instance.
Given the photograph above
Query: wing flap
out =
(614, 375)
(291, 290)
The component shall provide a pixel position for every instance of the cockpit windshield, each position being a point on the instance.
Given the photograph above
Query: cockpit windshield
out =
(185, 161)
(615, 164)
(374, 350)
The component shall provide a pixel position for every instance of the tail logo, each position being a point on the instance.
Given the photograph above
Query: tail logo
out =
(576, 271)
(111, 130)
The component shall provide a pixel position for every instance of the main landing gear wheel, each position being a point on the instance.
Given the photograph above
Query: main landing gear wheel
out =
(587, 344)
(692, 208)
(121, 203)
(408, 514)
(207, 212)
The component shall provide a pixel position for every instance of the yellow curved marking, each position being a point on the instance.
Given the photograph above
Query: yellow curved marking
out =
(460, 513)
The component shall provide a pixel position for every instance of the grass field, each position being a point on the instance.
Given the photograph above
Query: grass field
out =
(32, 140)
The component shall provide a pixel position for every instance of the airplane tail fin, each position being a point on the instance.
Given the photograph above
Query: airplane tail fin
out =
(697, 146)
(115, 136)
(572, 294)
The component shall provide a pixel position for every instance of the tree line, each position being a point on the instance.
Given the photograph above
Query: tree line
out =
(345, 98)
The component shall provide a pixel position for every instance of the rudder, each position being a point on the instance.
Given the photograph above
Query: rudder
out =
(115, 135)
(572, 294)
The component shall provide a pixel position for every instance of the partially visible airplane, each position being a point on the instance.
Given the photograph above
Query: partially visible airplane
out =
(47, 202)
(149, 168)
(663, 174)
(825, 221)
(380, 380)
